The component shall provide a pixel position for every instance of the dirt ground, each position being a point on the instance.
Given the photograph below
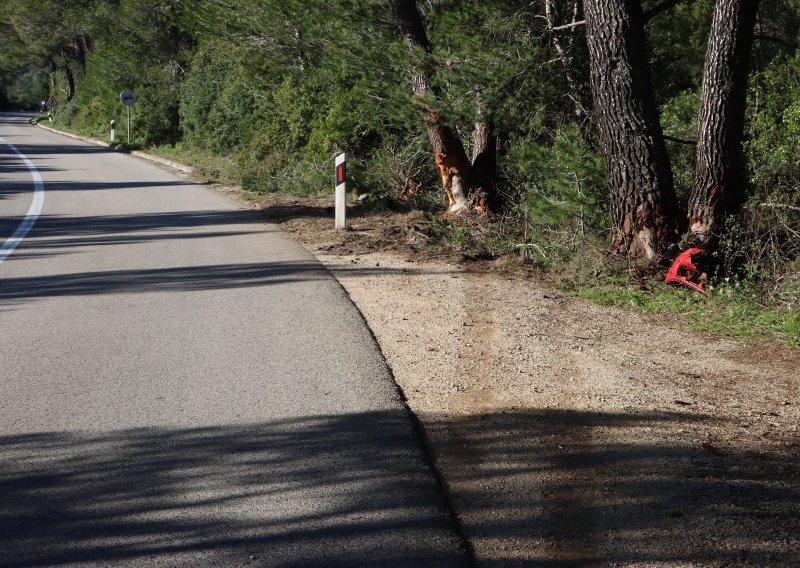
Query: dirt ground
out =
(570, 434)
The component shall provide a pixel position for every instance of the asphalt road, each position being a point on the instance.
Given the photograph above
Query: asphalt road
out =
(183, 385)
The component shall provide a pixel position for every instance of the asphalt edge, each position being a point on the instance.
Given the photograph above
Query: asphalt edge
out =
(144, 155)
(428, 454)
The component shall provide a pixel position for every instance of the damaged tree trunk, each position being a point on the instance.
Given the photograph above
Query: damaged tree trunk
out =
(641, 192)
(451, 158)
(720, 178)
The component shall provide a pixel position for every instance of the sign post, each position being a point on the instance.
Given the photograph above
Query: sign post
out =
(341, 172)
(127, 98)
(51, 104)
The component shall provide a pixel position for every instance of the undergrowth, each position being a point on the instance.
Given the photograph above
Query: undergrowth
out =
(728, 308)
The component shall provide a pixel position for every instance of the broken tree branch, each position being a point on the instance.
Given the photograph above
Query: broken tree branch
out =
(679, 140)
(780, 206)
(568, 26)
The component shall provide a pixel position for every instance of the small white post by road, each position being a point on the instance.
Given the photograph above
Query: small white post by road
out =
(113, 130)
(341, 172)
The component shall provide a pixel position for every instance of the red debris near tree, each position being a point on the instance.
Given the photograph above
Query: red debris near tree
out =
(684, 271)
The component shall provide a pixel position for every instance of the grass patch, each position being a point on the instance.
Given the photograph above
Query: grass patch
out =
(208, 164)
(726, 309)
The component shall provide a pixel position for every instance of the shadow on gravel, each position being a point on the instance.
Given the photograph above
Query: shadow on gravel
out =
(349, 490)
(281, 213)
(536, 480)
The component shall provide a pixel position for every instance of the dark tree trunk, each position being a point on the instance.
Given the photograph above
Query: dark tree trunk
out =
(83, 47)
(70, 83)
(642, 196)
(483, 173)
(720, 177)
(52, 69)
(451, 159)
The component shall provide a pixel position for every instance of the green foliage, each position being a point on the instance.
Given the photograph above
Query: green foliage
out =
(677, 43)
(679, 120)
(774, 126)
(24, 88)
(563, 180)
(201, 89)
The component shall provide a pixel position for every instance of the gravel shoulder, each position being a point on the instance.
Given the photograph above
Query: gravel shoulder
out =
(570, 433)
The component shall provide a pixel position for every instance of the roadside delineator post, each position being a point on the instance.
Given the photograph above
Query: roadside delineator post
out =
(340, 178)
(113, 130)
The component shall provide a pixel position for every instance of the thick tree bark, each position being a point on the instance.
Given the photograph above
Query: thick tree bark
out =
(642, 196)
(720, 177)
(483, 194)
(451, 159)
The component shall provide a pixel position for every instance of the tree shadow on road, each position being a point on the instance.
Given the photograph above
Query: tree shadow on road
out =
(327, 490)
(56, 234)
(178, 279)
(172, 495)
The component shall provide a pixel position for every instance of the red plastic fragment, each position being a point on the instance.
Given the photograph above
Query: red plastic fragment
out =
(683, 271)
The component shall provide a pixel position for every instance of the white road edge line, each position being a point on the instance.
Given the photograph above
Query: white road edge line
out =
(33, 211)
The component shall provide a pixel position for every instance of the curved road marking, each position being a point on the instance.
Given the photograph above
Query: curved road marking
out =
(33, 211)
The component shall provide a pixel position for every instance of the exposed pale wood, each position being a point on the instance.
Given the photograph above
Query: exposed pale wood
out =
(449, 154)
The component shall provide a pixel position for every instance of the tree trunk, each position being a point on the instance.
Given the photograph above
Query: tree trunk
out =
(451, 159)
(70, 83)
(720, 177)
(52, 70)
(483, 194)
(642, 196)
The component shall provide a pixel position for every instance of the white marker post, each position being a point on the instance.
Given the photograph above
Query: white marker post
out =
(341, 173)
(113, 130)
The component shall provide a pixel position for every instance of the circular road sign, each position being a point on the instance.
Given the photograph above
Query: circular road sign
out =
(127, 98)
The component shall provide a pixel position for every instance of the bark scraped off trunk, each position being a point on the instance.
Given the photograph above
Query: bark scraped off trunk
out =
(449, 155)
(642, 196)
(720, 177)
(451, 161)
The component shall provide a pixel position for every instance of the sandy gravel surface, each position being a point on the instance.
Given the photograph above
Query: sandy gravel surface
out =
(575, 434)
